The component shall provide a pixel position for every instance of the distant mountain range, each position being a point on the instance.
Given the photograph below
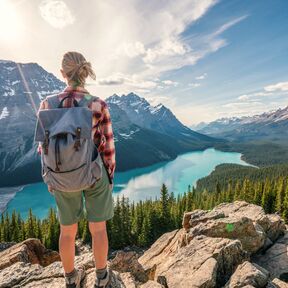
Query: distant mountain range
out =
(268, 126)
(22, 86)
(144, 134)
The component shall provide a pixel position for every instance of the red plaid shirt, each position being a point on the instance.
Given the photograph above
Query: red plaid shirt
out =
(103, 133)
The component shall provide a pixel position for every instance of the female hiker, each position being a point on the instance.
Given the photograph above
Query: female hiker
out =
(98, 198)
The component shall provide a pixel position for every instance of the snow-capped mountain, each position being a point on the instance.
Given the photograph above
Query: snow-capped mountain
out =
(22, 86)
(157, 118)
(135, 143)
(143, 134)
(220, 125)
(270, 125)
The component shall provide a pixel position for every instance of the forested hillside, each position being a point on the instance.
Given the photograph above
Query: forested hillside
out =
(259, 153)
(225, 173)
(142, 223)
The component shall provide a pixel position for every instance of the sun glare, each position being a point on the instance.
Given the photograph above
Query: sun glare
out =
(11, 26)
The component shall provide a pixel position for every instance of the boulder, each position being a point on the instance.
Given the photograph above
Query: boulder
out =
(29, 264)
(116, 282)
(127, 262)
(204, 262)
(276, 283)
(275, 259)
(203, 253)
(165, 245)
(18, 272)
(191, 219)
(248, 274)
(27, 275)
(151, 284)
(29, 251)
(250, 234)
(5, 245)
(272, 224)
(237, 220)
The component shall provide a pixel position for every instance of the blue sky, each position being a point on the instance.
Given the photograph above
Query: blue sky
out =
(202, 59)
(255, 56)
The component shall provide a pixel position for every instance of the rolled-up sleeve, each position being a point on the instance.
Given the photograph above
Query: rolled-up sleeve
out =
(109, 153)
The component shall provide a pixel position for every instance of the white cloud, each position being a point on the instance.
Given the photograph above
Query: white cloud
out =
(130, 80)
(243, 97)
(131, 44)
(257, 102)
(56, 13)
(131, 50)
(253, 95)
(194, 85)
(170, 83)
(116, 79)
(240, 105)
(201, 77)
(167, 48)
(281, 86)
(229, 24)
(156, 45)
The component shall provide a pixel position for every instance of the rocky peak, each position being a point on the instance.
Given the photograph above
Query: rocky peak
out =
(130, 99)
(233, 245)
(263, 121)
(115, 99)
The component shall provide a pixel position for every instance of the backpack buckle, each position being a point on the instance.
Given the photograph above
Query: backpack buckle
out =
(77, 143)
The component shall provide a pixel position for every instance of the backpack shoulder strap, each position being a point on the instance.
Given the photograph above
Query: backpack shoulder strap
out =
(86, 100)
(53, 101)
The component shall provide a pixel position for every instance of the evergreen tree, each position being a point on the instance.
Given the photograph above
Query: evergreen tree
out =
(164, 208)
(30, 225)
(145, 238)
(280, 194)
(285, 205)
(14, 228)
(267, 197)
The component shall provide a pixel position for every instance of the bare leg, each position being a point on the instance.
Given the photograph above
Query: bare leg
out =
(99, 243)
(67, 246)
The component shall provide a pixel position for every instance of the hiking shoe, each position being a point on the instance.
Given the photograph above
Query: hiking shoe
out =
(75, 282)
(105, 282)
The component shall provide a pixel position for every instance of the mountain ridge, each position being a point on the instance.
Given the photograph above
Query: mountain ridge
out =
(264, 126)
(23, 86)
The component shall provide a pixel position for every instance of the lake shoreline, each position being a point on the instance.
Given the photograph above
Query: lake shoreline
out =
(6, 197)
(138, 167)
(137, 184)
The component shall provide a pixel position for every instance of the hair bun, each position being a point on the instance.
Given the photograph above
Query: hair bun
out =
(77, 68)
(82, 64)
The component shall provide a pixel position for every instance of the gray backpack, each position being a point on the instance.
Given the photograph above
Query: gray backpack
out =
(70, 159)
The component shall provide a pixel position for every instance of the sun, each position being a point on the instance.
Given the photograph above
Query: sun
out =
(11, 26)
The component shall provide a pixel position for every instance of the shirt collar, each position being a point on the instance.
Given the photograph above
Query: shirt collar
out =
(69, 88)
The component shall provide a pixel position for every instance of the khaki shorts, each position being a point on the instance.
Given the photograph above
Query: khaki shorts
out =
(98, 200)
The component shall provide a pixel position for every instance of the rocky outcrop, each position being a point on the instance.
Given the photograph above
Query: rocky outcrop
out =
(128, 262)
(212, 246)
(276, 283)
(29, 251)
(234, 245)
(205, 262)
(275, 259)
(238, 220)
(30, 266)
(248, 274)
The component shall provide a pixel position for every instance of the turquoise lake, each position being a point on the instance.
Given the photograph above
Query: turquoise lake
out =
(137, 184)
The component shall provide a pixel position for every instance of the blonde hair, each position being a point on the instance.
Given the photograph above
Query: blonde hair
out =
(77, 68)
